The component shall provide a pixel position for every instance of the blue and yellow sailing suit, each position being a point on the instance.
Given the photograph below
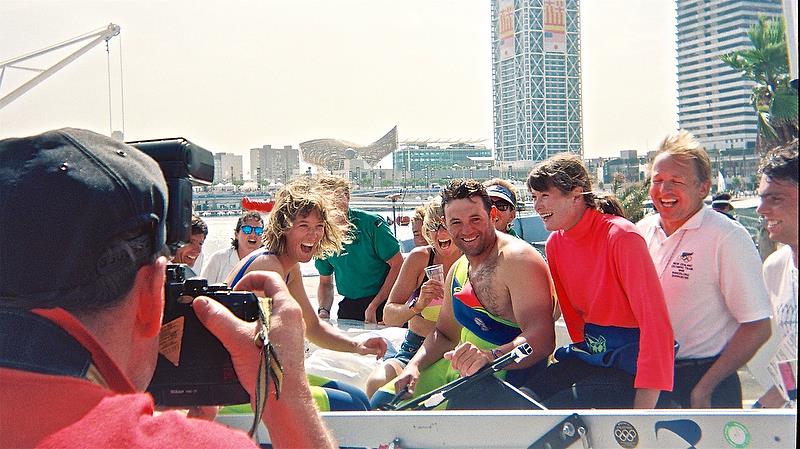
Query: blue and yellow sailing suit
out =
(479, 327)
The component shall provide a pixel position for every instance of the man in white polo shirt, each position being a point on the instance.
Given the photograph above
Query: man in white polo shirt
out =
(710, 273)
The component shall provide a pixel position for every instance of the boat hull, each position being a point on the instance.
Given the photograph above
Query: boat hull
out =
(520, 429)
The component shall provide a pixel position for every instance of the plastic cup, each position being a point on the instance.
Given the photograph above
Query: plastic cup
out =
(435, 272)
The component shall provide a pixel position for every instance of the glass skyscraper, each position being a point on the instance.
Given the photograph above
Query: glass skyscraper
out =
(536, 75)
(713, 99)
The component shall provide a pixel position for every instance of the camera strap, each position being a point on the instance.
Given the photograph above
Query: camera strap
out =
(269, 367)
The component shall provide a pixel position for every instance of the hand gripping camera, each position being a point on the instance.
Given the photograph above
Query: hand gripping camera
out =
(193, 366)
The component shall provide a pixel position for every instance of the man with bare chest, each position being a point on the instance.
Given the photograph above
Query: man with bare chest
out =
(497, 297)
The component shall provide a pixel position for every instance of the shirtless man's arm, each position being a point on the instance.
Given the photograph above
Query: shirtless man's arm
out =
(528, 280)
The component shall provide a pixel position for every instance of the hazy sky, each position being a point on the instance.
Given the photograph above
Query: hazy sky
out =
(233, 75)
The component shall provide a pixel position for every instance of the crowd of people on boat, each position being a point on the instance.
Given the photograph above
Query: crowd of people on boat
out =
(661, 313)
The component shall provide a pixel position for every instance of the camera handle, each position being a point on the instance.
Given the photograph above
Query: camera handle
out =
(269, 367)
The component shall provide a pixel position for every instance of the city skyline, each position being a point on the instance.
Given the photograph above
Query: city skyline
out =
(232, 76)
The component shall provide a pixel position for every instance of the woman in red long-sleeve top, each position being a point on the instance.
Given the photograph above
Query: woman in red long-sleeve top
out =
(609, 293)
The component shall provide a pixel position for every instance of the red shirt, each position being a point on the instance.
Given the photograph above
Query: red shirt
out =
(603, 274)
(41, 410)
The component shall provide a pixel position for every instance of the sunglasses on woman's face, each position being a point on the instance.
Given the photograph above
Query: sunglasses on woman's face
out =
(502, 206)
(434, 230)
(247, 229)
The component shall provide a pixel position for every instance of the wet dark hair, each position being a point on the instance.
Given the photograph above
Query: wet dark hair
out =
(459, 189)
(780, 163)
(245, 216)
(199, 226)
(565, 172)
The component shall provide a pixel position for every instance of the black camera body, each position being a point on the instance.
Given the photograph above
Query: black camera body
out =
(193, 367)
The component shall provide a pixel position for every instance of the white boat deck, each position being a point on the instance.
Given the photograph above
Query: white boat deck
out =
(663, 429)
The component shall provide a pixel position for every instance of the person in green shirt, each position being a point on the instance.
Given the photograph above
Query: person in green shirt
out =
(365, 269)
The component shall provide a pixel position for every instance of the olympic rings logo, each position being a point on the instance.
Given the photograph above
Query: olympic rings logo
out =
(628, 435)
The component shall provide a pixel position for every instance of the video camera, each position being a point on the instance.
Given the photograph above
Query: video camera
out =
(193, 366)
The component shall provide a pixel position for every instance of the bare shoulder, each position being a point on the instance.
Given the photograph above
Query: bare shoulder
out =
(418, 256)
(266, 262)
(517, 251)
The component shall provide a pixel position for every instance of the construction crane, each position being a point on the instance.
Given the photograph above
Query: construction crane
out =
(96, 37)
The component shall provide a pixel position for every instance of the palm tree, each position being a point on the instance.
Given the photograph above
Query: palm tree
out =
(633, 197)
(774, 99)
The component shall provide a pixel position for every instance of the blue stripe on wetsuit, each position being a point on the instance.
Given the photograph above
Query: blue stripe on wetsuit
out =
(471, 314)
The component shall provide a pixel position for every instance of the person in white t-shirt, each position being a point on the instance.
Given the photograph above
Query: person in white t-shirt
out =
(246, 239)
(778, 192)
(709, 270)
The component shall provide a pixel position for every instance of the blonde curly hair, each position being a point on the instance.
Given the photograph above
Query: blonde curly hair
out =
(298, 198)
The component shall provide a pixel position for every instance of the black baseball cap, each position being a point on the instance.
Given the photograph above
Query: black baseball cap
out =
(75, 205)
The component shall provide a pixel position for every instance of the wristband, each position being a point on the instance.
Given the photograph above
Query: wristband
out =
(320, 309)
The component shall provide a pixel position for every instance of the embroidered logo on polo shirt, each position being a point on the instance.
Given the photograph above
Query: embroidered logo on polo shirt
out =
(683, 266)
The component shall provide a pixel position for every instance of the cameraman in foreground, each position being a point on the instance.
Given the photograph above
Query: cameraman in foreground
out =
(80, 314)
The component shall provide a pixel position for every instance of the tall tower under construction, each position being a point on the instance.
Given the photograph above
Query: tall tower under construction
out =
(713, 99)
(536, 75)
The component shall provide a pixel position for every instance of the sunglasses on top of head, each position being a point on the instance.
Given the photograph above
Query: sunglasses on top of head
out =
(501, 205)
(247, 229)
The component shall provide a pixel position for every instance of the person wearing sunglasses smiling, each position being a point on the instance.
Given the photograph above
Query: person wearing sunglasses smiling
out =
(246, 239)
(504, 200)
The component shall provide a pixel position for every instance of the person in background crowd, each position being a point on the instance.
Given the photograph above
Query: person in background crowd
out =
(96, 305)
(365, 269)
(778, 192)
(412, 285)
(416, 226)
(721, 202)
(497, 296)
(246, 239)
(613, 306)
(504, 199)
(718, 306)
(303, 225)
(191, 253)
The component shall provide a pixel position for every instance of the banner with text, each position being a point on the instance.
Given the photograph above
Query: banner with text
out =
(555, 32)
(506, 28)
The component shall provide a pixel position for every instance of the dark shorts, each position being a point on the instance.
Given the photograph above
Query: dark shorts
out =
(408, 348)
(574, 383)
(688, 372)
(353, 309)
